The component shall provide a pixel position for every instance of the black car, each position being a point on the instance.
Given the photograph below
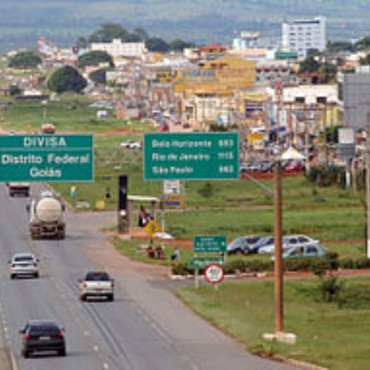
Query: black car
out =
(243, 244)
(42, 336)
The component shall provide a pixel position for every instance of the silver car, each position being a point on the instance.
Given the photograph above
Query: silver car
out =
(24, 264)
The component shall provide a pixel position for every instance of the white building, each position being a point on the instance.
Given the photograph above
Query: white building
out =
(302, 35)
(117, 48)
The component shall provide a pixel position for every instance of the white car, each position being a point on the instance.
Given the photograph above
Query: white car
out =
(24, 264)
(96, 284)
(288, 242)
(130, 144)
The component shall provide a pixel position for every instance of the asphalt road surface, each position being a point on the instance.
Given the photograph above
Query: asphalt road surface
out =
(145, 328)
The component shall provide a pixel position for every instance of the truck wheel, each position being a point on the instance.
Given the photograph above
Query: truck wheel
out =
(110, 297)
(12, 276)
(82, 297)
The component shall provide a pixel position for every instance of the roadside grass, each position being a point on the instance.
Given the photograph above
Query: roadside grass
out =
(136, 250)
(336, 338)
(69, 114)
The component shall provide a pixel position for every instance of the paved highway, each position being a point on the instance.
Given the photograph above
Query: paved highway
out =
(145, 328)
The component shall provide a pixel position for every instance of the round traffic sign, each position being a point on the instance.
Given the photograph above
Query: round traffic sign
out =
(214, 273)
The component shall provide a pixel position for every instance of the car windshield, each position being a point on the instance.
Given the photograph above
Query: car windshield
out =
(236, 242)
(44, 328)
(23, 258)
(97, 276)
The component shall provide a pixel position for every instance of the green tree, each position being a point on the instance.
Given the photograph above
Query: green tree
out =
(66, 79)
(365, 61)
(14, 90)
(363, 43)
(82, 43)
(107, 32)
(309, 65)
(328, 72)
(94, 58)
(141, 34)
(25, 59)
(337, 46)
(179, 45)
(99, 76)
(157, 44)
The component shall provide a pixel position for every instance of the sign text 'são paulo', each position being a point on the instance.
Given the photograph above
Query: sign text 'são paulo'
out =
(191, 156)
(49, 158)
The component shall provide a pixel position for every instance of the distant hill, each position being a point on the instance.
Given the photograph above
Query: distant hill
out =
(201, 21)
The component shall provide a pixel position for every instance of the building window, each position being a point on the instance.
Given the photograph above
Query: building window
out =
(321, 99)
(300, 99)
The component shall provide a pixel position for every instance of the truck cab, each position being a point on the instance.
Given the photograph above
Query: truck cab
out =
(19, 189)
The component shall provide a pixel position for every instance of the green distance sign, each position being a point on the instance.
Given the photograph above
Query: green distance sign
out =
(191, 156)
(46, 158)
(202, 262)
(209, 244)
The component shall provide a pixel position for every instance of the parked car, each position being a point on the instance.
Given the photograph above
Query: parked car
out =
(266, 166)
(263, 242)
(294, 166)
(289, 241)
(97, 284)
(131, 144)
(242, 245)
(305, 251)
(42, 336)
(24, 264)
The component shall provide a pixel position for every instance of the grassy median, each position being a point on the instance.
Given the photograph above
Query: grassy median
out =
(331, 335)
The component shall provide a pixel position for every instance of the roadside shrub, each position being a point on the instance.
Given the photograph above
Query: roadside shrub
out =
(259, 266)
(180, 268)
(330, 289)
(301, 264)
(347, 263)
(207, 190)
(324, 175)
(235, 265)
(332, 258)
(362, 263)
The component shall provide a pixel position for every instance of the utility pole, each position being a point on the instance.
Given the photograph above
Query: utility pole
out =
(279, 324)
(306, 137)
(367, 156)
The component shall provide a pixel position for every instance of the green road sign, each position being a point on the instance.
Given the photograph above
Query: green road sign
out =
(191, 156)
(46, 158)
(203, 262)
(209, 244)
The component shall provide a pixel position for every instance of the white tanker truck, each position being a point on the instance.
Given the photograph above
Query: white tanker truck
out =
(46, 217)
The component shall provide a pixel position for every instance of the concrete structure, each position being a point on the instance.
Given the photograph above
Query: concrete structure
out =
(117, 48)
(302, 35)
(354, 97)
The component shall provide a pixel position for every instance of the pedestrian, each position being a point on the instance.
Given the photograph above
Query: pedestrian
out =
(107, 193)
(175, 255)
(73, 191)
(143, 217)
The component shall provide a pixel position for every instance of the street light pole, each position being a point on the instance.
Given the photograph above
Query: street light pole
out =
(278, 265)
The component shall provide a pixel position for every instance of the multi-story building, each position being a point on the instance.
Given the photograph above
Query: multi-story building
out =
(302, 35)
(117, 48)
(354, 97)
